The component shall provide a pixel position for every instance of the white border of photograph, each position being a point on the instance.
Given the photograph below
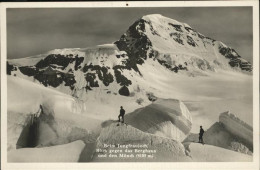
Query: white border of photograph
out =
(134, 165)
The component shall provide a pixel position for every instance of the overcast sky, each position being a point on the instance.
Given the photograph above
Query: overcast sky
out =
(36, 31)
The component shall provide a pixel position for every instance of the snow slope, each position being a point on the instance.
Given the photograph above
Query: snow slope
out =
(27, 61)
(61, 153)
(209, 153)
(204, 96)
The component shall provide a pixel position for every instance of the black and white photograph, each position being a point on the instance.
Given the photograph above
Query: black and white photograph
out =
(130, 84)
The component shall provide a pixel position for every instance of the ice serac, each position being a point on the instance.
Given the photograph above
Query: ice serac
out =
(229, 133)
(61, 120)
(237, 127)
(177, 46)
(165, 117)
(167, 150)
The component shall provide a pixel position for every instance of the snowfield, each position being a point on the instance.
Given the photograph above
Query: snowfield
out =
(209, 153)
(205, 96)
(61, 153)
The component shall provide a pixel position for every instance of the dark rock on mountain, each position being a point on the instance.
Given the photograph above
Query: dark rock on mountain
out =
(191, 41)
(29, 71)
(101, 72)
(124, 91)
(121, 79)
(137, 48)
(90, 78)
(60, 60)
(235, 58)
(10, 68)
(151, 96)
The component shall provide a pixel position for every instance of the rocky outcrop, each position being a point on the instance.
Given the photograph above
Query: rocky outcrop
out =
(136, 43)
(168, 118)
(124, 91)
(235, 59)
(10, 68)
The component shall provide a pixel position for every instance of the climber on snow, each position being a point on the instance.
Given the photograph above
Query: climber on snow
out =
(201, 135)
(122, 114)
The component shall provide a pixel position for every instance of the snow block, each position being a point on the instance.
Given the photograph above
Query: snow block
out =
(218, 135)
(165, 117)
(237, 127)
(57, 123)
(166, 149)
(230, 133)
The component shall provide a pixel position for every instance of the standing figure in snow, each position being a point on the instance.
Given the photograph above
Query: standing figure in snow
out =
(201, 135)
(122, 114)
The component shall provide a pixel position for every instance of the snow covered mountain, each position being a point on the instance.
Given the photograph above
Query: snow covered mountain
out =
(177, 46)
(74, 69)
(153, 40)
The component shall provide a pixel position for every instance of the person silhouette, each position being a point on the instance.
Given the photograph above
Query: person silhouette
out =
(122, 114)
(201, 135)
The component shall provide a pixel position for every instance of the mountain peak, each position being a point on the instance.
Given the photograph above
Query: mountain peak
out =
(152, 16)
(177, 46)
(160, 19)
